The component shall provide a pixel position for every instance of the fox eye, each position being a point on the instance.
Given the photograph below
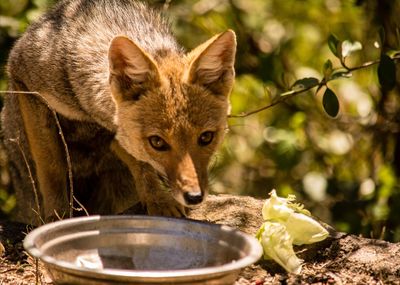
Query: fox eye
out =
(205, 138)
(158, 143)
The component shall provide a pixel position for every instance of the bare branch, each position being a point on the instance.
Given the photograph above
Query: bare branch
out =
(33, 182)
(289, 94)
(281, 98)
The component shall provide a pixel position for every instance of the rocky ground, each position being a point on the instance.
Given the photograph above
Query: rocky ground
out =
(340, 259)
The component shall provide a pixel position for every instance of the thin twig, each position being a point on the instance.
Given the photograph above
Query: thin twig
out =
(284, 96)
(370, 63)
(35, 192)
(81, 205)
(57, 215)
(8, 270)
(281, 98)
(40, 217)
(37, 270)
(364, 65)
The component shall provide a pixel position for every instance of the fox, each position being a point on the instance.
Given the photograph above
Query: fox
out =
(140, 116)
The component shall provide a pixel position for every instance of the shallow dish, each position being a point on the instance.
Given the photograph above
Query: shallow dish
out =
(141, 250)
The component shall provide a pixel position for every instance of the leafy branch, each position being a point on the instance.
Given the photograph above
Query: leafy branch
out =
(330, 102)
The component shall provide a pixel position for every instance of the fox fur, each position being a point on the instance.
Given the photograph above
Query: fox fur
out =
(140, 116)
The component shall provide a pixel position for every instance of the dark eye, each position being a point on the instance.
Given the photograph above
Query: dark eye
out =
(205, 138)
(158, 143)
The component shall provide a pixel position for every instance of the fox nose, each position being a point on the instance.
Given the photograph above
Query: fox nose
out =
(193, 198)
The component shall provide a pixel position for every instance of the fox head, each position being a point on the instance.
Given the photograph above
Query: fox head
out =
(171, 109)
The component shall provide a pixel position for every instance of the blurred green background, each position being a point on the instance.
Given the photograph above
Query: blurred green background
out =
(346, 169)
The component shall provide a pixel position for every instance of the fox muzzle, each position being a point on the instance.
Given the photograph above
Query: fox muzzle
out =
(193, 198)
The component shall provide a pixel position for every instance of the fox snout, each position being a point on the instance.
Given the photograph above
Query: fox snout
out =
(171, 111)
(191, 183)
(193, 198)
(191, 191)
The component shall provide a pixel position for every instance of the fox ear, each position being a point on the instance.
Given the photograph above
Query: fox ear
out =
(131, 69)
(212, 63)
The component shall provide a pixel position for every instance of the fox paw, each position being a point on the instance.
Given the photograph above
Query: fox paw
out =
(165, 207)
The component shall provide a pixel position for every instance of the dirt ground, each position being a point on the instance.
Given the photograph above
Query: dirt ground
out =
(341, 259)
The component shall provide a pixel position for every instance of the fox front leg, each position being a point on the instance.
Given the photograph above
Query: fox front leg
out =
(148, 186)
(156, 199)
(47, 153)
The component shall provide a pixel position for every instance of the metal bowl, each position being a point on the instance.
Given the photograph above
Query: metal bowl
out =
(141, 250)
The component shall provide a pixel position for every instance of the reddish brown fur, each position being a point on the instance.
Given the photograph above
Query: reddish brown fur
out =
(113, 91)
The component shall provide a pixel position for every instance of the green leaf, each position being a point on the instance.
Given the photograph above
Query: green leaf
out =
(387, 72)
(349, 47)
(327, 70)
(392, 53)
(333, 43)
(330, 103)
(305, 83)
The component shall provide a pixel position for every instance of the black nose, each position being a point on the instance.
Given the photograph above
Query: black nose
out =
(193, 198)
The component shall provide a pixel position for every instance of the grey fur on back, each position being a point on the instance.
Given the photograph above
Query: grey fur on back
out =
(64, 54)
(64, 57)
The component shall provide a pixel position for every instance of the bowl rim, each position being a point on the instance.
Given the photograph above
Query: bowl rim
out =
(255, 252)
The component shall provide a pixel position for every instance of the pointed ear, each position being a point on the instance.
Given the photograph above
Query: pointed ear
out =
(132, 70)
(212, 63)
